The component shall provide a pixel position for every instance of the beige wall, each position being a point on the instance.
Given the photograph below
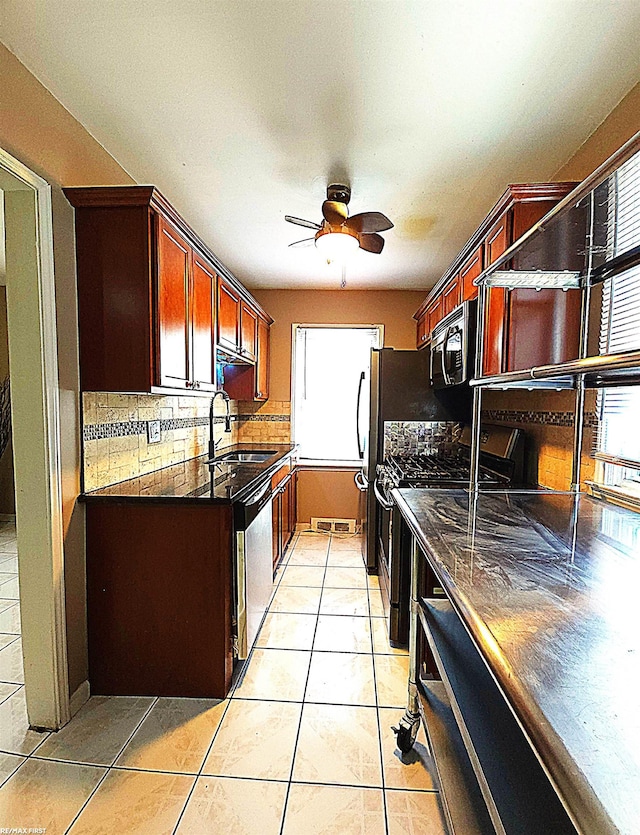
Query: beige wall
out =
(392, 308)
(327, 494)
(619, 126)
(37, 130)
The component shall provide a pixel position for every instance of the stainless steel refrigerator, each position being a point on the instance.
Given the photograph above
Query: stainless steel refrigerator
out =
(396, 388)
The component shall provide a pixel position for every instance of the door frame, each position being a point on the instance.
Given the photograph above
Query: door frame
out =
(35, 410)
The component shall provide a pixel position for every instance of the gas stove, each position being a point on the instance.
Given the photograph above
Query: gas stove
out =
(430, 471)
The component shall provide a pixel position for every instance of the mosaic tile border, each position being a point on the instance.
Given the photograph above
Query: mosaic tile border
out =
(541, 418)
(99, 431)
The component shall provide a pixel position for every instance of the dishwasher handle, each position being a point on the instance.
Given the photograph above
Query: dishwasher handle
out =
(384, 503)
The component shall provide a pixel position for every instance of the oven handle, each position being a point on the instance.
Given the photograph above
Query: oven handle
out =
(385, 504)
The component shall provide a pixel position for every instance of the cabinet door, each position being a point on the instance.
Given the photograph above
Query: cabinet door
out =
(451, 295)
(285, 506)
(262, 361)
(202, 319)
(228, 321)
(275, 520)
(248, 325)
(435, 312)
(422, 330)
(496, 243)
(173, 269)
(293, 503)
(469, 271)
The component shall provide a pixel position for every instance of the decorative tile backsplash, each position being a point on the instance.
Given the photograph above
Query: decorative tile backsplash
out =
(115, 431)
(416, 437)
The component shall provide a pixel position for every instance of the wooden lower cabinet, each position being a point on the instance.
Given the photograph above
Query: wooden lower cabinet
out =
(159, 599)
(285, 502)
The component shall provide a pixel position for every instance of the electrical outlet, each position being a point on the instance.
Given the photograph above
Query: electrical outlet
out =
(153, 432)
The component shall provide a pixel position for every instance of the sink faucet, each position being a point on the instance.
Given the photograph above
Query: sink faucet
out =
(227, 421)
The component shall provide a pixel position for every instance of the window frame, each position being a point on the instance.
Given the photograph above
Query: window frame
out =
(295, 327)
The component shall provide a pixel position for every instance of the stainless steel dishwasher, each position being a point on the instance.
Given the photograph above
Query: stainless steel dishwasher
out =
(254, 564)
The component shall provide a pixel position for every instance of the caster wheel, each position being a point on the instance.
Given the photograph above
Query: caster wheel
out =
(406, 736)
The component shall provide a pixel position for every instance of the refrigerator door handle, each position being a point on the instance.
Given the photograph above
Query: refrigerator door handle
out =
(360, 382)
(360, 481)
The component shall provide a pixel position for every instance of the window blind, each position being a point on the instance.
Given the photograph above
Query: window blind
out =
(619, 408)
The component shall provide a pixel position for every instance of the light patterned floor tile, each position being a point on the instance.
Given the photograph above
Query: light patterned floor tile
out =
(255, 739)
(346, 542)
(341, 678)
(98, 732)
(10, 619)
(342, 633)
(275, 674)
(338, 577)
(282, 631)
(6, 639)
(11, 663)
(344, 602)
(414, 813)
(413, 770)
(373, 581)
(315, 557)
(392, 675)
(328, 810)
(6, 603)
(6, 575)
(303, 575)
(223, 806)
(7, 690)
(338, 744)
(8, 764)
(296, 600)
(312, 543)
(15, 736)
(135, 802)
(9, 563)
(46, 796)
(10, 589)
(346, 559)
(380, 635)
(375, 603)
(174, 736)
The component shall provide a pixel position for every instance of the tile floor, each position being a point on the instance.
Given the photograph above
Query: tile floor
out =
(302, 745)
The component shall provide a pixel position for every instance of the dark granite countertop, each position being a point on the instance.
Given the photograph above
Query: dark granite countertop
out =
(547, 584)
(196, 481)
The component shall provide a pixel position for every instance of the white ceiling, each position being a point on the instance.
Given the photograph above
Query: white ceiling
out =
(242, 112)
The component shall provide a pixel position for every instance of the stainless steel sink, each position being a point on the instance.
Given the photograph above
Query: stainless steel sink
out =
(250, 456)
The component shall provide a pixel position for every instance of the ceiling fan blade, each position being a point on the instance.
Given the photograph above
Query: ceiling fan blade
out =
(367, 223)
(334, 212)
(372, 243)
(300, 222)
(303, 242)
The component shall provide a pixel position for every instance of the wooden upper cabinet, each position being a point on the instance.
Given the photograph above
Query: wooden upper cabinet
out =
(146, 295)
(262, 361)
(202, 324)
(495, 328)
(497, 239)
(174, 267)
(228, 317)
(435, 312)
(422, 331)
(451, 296)
(248, 335)
(469, 271)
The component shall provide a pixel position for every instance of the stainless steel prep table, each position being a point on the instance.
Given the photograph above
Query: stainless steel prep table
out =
(545, 588)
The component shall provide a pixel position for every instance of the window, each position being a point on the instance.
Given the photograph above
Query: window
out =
(619, 408)
(328, 361)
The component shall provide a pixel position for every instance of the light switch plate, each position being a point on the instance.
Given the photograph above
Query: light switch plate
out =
(153, 431)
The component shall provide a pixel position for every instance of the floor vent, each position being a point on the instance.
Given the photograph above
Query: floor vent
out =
(333, 525)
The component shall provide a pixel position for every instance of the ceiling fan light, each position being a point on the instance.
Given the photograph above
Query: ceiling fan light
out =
(336, 245)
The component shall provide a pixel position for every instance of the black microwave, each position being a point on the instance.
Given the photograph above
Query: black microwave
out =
(453, 346)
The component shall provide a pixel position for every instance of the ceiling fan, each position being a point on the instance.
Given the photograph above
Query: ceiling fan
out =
(338, 232)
